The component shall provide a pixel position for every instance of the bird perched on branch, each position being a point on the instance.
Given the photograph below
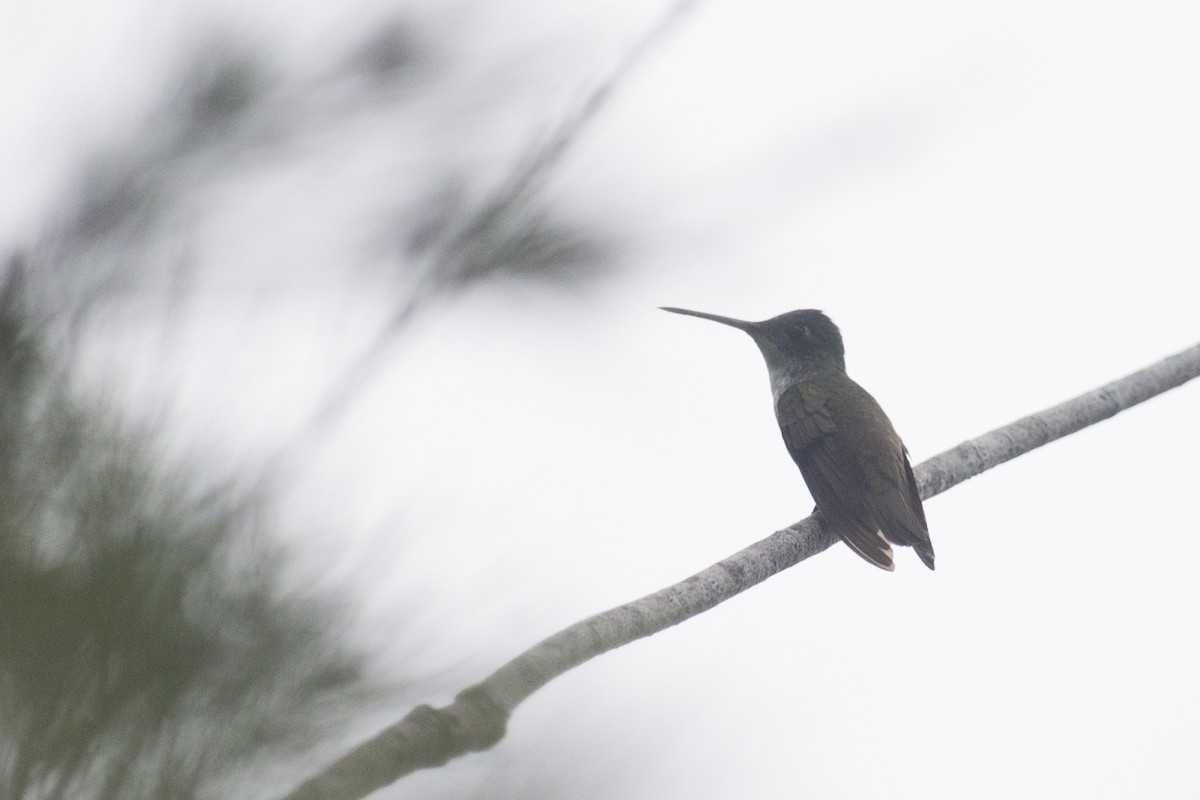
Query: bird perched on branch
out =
(851, 457)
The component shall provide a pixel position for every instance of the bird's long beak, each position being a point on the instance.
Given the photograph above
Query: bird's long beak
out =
(758, 331)
(748, 327)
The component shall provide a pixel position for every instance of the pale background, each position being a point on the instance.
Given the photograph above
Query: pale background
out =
(998, 204)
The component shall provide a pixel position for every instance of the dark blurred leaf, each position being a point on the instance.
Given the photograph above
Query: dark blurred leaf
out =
(392, 50)
(541, 248)
(503, 240)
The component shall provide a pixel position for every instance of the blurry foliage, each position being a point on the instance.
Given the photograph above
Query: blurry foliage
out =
(145, 651)
(133, 185)
(231, 111)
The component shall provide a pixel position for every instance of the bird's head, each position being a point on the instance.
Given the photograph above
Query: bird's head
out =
(798, 340)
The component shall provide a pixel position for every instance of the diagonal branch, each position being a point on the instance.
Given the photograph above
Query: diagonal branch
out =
(476, 720)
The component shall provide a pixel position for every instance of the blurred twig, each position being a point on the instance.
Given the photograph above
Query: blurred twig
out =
(462, 248)
(430, 737)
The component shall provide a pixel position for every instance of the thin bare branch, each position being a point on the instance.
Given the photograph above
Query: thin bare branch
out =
(476, 720)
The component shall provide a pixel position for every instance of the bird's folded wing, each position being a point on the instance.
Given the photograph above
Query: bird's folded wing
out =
(833, 475)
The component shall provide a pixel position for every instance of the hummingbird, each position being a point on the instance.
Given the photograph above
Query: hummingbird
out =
(852, 459)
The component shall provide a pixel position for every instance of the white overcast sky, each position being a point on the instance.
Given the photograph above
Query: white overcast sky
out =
(997, 202)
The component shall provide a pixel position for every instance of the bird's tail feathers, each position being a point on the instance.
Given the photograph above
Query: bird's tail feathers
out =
(869, 543)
